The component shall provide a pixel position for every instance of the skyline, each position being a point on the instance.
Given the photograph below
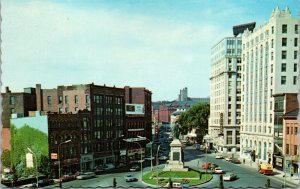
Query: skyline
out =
(161, 45)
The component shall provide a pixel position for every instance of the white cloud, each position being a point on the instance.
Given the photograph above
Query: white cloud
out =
(45, 40)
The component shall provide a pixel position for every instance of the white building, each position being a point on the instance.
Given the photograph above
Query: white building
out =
(269, 67)
(225, 94)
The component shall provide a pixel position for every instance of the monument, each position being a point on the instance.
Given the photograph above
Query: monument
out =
(175, 163)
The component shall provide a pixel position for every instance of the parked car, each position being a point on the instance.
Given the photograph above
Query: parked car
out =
(108, 166)
(86, 175)
(213, 166)
(206, 166)
(229, 177)
(45, 182)
(218, 170)
(163, 158)
(66, 178)
(219, 157)
(130, 178)
(228, 159)
(135, 168)
(174, 185)
(235, 161)
(98, 170)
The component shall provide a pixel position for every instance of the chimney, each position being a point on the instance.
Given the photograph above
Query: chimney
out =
(7, 90)
(39, 97)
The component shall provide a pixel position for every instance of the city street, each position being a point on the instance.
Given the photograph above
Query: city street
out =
(246, 177)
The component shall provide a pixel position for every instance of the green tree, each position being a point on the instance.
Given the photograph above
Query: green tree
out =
(196, 117)
(268, 184)
(44, 166)
(6, 158)
(221, 182)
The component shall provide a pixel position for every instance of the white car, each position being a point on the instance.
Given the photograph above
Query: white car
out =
(228, 158)
(163, 158)
(219, 157)
(218, 170)
(229, 177)
(86, 175)
(130, 178)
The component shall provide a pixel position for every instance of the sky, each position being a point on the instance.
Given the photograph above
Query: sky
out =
(162, 45)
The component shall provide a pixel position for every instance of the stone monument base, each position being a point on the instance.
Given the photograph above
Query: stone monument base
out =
(175, 166)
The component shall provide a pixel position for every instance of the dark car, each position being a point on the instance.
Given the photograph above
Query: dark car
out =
(235, 161)
(45, 182)
(135, 168)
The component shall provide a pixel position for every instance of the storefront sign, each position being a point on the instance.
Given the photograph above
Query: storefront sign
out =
(53, 155)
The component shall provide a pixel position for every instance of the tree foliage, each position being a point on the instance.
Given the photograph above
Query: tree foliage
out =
(196, 117)
(5, 158)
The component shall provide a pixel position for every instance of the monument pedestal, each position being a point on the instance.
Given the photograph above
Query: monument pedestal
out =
(175, 163)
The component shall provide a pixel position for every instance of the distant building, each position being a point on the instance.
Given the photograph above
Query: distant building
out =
(183, 96)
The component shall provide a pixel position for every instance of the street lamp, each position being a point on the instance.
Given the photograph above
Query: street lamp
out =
(36, 167)
(157, 162)
(141, 156)
(59, 174)
(151, 150)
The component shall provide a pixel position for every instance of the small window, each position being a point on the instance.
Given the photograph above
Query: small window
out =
(76, 99)
(271, 68)
(283, 67)
(283, 55)
(87, 99)
(295, 80)
(284, 28)
(296, 130)
(12, 111)
(295, 67)
(283, 80)
(49, 100)
(295, 149)
(284, 42)
(12, 100)
(272, 43)
(272, 56)
(296, 29)
(296, 42)
(66, 99)
(272, 29)
(287, 130)
(60, 99)
(271, 80)
(295, 54)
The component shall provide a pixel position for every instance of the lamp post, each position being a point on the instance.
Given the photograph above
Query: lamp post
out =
(157, 162)
(59, 171)
(36, 166)
(141, 156)
(151, 150)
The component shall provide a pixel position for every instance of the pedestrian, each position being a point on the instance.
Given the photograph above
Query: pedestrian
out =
(244, 161)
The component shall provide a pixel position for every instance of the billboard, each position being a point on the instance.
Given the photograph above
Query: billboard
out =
(135, 109)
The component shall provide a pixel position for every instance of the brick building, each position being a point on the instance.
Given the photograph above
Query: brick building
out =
(138, 123)
(20, 103)
(290, 140)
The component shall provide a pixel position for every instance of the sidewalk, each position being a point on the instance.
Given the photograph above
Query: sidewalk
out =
(294, 180)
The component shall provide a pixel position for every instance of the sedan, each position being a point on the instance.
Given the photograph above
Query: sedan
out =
(86, 175)
(228, 159)
(218, 170)
(134, 168)
(130, 178)
(235, 161)
(219, 157)
(229, 177)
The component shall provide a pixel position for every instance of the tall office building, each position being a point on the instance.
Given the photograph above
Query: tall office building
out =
(269, 83)
(225, 93)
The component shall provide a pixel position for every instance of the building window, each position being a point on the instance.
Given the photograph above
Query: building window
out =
(295, 54)
(284, 28)
(66, 110)
(296, 130)
(287, 130)
(272, 55)
(272, 30)
(12, 100)
(295, 149)
(87, 99)
(287, 148)
(272, 43)
(295, 67)
(283, 55)
(295, 80)
(66, 99)
(229, 106)
(12, 111)
(271, 80)
(296, 29)
(49, 100)
(296, 42)
(271, 92)
(283, 80)
(283, 67)
(284, 42)
(76, 99)
(271, 68)
(60, 99)
(229, 137)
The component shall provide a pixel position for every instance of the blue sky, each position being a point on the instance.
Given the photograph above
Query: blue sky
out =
(163, 45)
